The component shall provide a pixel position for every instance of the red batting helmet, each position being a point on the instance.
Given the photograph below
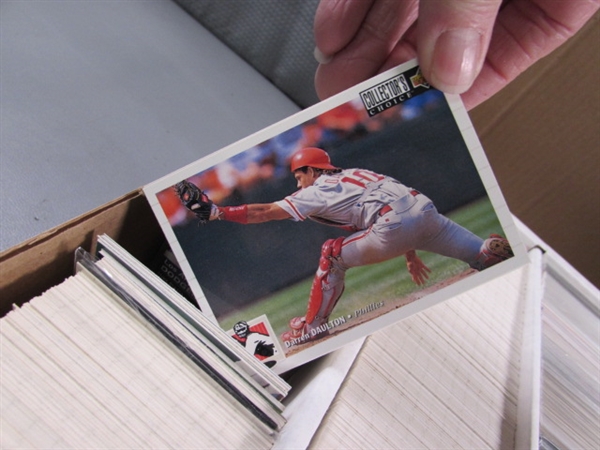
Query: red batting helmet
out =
(311, 157)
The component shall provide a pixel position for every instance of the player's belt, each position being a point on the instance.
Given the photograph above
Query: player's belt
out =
(387, 208)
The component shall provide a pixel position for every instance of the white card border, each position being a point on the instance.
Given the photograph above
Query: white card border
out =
(480, 160)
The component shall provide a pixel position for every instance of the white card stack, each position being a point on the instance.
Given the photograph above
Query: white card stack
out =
(82, 369)
(444, 378)
(570, 416)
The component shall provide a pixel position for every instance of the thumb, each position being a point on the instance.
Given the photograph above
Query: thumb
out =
(452, 41)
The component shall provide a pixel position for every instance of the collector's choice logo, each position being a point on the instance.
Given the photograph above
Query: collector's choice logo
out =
(392, 92)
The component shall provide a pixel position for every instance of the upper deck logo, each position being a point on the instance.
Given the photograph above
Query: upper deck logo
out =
(386, 94)
(418, 80)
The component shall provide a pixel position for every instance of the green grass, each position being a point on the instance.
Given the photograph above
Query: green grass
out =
(368, 284)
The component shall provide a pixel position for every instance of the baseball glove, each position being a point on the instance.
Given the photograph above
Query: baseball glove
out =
(195, 200)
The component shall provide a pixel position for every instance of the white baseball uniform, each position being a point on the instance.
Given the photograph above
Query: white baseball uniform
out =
(388, 218)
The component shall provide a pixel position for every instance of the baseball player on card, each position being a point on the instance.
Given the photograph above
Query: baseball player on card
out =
(387, 218)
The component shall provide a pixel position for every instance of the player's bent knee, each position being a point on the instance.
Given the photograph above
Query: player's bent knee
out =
(330, 250)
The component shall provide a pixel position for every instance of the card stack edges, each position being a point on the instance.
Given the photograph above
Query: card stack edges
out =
(103, 360)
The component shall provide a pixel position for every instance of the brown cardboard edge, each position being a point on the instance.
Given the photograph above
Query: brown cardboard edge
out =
(32, 267)
(541, 136)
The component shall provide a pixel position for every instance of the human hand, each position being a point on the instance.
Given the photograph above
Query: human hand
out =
(417, 268)
(468, 47)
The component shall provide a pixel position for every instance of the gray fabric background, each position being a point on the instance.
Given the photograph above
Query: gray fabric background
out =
(274, 36)
(100, 97)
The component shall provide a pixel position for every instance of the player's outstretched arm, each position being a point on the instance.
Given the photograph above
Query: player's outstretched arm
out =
(250, 213)
(417, 268)
(196, 200)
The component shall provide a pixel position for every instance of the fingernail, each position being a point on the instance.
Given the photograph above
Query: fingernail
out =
(321, 57)
(456, 60)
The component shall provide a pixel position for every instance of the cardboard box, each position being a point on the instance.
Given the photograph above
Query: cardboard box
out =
(32, 267)
(541, 136)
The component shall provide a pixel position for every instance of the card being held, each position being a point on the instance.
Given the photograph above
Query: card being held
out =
(344, 218)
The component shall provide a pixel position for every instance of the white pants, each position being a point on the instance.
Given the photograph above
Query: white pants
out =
(420, 227)
(413, 224)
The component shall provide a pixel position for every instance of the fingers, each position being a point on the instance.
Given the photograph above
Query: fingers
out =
(405, 50)
(418, 272)
(424, 274)
(419, 281)
(360, 52)
(452, 41)
(420, 278)
(452, 38)
(526, 31)
(336, 23)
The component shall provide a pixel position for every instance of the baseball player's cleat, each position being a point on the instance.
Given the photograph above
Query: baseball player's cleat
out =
(494, 250)
(287, 336)
(296, 329)
(499, 246)
(301, 332)
(297, 326)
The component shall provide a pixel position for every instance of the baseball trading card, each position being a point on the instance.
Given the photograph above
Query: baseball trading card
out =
(342, 219)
